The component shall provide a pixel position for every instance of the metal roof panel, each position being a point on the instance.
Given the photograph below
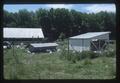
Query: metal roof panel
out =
(22, 33)
(43, 44)
(89, 35)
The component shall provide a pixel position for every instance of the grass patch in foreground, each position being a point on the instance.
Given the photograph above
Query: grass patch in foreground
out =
(50, 66)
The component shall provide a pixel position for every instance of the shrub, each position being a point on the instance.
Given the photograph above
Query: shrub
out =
(109, 53)
(88, 54)
(76, 56)
(62, 36)
(63, 54)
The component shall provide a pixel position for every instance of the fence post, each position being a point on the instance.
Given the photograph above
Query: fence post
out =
(68, 46)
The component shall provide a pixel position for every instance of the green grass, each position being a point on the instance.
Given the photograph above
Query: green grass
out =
(51, 66)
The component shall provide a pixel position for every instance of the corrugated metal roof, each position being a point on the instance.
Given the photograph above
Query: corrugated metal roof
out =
(89, 35)
(43, 44)
(22, 33)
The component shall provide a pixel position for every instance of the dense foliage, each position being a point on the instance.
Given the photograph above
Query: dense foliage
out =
(55, 22)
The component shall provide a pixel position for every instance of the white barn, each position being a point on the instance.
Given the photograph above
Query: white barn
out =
(18, 33)
(94, 41)
(22, 35)
(30, 37)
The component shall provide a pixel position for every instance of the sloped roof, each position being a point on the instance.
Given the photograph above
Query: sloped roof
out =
(89, 35)
(43, 44)
(22, 32)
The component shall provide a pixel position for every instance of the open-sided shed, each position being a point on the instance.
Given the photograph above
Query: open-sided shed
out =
(95, 41)
(42, 47)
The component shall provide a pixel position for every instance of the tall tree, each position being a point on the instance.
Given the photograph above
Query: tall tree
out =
(56, 21)
(24, 18)
(9, 19)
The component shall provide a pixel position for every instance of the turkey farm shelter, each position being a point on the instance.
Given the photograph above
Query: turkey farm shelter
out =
(94, 41)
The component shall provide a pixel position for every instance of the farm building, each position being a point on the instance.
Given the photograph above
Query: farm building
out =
(19, 36)
(94, 41)
(12, 34)
(31, 37)
(42, 47)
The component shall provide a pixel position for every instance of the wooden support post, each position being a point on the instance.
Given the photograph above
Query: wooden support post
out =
(94, 45)
(82, 45)
(99, 45)
(104, 45)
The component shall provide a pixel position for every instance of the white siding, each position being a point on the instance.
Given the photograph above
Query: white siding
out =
(79, 44)
(82, 42)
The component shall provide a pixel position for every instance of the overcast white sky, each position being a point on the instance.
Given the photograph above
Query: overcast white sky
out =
(88, 8)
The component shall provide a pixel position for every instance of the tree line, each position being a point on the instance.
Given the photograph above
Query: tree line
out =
(61, 22)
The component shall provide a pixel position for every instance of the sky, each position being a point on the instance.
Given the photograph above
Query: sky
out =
(85, 8)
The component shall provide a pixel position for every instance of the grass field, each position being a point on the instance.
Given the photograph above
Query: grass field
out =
(25, 65)
(51, 66)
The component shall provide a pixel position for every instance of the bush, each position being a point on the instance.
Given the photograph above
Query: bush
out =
(62, 36)
(88, 54)
(63, 54)
(76, 56)
(70, 56)
(109, 53)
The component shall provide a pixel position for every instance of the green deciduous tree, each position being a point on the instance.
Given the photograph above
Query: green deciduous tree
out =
(56, 21)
